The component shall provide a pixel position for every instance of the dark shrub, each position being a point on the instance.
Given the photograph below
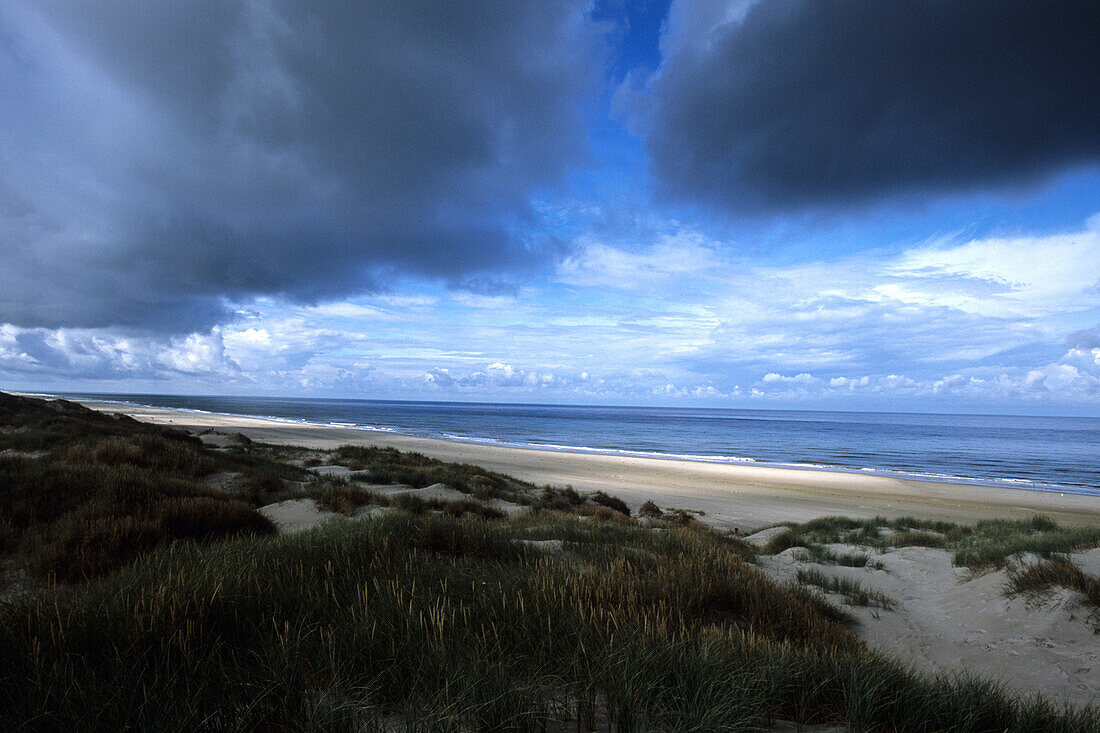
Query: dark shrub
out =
(258, 487)
(9, 536)
(345, 499)
(572, 496)
(650, 510)
(149, 451)
(611, 502)
(476, 508)
(206, 518)
(82, 546)
(682, 518)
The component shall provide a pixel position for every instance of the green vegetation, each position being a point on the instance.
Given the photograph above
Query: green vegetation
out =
(994, 541)
(613, 503)
(822, 555)
(85, 493)
(340, 496)
(438, 623)
(164, 601)
(391, 466)
(985, 544)
(854, 592)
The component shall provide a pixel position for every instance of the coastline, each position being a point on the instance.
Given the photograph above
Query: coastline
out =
(745, 496)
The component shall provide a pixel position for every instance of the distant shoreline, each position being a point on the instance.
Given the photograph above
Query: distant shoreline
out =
(931, 473)
(745, 495)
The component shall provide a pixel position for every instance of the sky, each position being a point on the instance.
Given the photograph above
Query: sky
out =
(791, 204)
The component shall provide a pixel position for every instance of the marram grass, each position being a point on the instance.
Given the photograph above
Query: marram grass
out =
(438, 623)
(984, 544)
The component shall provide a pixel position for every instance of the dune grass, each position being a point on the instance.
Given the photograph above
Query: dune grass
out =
(93, 507)
(339, 495)
(1038, 580)
(984, 544)
(182, 610)
(822, 555)
(83, 493)
(995, 540)
(440, 623)
(854, 592)
(377, 465)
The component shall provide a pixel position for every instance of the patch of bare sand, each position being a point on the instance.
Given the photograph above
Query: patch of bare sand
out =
(948, 619)
(442, 492)
(214, 439)
(763, 537)
(295, 515)
(332, 470)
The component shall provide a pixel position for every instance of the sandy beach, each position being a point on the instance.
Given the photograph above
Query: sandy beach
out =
(741, 496)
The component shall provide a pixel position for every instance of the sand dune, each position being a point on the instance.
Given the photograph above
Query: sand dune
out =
(949, 619)
(946, 618)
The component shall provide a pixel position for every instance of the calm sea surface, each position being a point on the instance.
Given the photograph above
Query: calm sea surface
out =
(1048, 453)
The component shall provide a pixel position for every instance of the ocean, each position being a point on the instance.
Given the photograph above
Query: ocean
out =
(1042, 453)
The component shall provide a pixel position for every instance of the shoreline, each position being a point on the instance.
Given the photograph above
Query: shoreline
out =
(741, 495)
(1001, 483)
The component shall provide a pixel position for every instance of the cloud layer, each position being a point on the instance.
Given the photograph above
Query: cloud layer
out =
(989, 323)
(783, 104)
(158, 157)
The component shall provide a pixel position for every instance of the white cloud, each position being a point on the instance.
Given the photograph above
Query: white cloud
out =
(1022, 276)
(800, 380)
(197, 354)
(686, 254)
(101, 355)
(349, 310)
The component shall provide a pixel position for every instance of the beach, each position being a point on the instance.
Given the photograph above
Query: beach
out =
(737, 496)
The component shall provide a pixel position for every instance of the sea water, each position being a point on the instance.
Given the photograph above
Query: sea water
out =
(1044, 453)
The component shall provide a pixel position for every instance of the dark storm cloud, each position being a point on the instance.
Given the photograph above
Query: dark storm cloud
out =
(836, 102)
(159, 157)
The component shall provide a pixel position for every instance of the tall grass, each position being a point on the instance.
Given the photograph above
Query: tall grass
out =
(107, 489)
(436, 616)
(824, 556)
(35, 425)
(994, 541)
(854, 592)
(437, 623)
(986, 543)
(389, 465)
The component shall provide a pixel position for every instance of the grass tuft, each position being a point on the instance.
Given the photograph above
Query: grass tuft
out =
(854, 592)
(1038, 580)
(377, 465)
(822, 555)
